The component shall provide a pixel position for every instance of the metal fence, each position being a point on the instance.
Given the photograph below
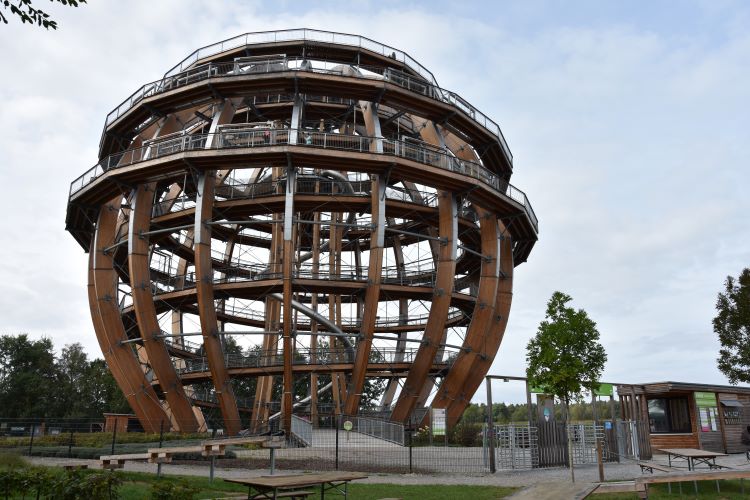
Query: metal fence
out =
(325, 441)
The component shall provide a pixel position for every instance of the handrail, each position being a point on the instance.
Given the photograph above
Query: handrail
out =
(302, 34)
(277, 65)
(256, 138)
(323, 356)
(378, 428)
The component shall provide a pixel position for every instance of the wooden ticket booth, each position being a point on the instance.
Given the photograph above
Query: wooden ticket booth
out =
(684, 415)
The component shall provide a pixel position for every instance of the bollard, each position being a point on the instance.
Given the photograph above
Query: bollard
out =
(70, 445)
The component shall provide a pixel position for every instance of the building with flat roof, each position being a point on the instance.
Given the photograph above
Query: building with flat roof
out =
(687, 415)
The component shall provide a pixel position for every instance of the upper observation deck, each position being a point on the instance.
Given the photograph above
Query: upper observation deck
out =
(376, 72)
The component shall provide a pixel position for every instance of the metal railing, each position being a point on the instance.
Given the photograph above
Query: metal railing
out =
(302, 356)
(252, 138)
(276, 65)
(302, 431)
(392, 432)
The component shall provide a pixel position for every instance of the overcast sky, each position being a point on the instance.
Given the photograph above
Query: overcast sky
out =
(629, 124)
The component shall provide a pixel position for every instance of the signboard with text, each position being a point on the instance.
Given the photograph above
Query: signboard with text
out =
(438, 421)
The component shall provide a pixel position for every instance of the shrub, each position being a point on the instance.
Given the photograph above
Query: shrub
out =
(168, 489)
(11, 460)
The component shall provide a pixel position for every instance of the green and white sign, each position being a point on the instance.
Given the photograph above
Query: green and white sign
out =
(348, 425)
(604, 390)
(705, 399)
(438, 422)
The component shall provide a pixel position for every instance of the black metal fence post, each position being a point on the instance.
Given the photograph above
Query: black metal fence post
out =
(31, 441)
(338, 424)
(161, 440)
(70, 444)
(409, 433)
(213, 460)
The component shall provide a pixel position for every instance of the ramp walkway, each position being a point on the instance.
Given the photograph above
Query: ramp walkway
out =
(326, 438)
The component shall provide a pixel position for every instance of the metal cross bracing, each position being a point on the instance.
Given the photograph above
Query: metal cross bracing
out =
(267, 246)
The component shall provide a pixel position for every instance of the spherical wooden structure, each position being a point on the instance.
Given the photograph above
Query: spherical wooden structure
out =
(316, 195)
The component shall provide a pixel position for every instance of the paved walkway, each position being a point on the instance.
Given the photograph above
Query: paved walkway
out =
(554, 491)
(587, 474)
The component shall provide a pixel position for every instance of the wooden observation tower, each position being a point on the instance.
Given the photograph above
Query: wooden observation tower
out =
(316, 199)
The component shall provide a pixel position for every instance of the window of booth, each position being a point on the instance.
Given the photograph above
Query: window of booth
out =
(669, 415)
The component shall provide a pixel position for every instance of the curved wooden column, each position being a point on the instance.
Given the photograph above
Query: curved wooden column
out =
(287, 267)
(264, 384)
(110, 331)
(206, 307)
(484, 358)
(403, 312)
(441, 301)
(145, 311)
(372, 296)
(481, 320)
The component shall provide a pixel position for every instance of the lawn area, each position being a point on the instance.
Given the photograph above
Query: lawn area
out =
(138, 485)
(19, 480)
(730, 490)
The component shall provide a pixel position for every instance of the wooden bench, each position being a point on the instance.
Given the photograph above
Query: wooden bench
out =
(164, 455)
(643, 482)
(652, 466)
(118, 461)
(614, 487)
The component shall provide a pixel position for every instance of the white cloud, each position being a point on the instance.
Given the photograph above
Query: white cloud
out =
(631, 139)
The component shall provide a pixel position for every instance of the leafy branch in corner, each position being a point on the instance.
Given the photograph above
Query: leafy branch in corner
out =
(28, 14)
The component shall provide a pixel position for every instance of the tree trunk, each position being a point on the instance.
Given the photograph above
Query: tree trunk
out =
(570, 440)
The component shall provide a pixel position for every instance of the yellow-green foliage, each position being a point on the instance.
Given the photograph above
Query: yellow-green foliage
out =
(95, 439)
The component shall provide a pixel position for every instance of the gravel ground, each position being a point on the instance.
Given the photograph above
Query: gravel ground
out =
(584, 473)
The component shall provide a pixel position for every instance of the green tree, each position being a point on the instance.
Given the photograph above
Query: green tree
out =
(732, 325)
(28, 14)
(72, 373)
(27, 377)
(565, 357)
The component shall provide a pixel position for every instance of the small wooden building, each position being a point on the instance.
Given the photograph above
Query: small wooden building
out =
(682, 415)
(121, 422)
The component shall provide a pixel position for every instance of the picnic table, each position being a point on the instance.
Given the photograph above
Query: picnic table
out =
(693, 456)
(267, 487)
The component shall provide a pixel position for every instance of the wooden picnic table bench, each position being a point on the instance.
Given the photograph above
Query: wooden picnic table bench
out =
(118, 461)
(652, 466)
(267, 487)
(164, 455)
(643, 482)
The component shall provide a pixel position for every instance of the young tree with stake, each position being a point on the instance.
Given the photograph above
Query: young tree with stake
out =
(565, 357)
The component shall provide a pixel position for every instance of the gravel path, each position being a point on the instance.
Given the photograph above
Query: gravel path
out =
(584, 474)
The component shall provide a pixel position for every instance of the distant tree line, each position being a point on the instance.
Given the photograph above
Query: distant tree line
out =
(503, 413)
(36, 382)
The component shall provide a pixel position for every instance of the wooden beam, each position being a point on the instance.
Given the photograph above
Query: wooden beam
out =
(494, 337)
(206, 308)
(452, 386)
(372, 296)
(110, 331)
(441, 301)
(145, 311)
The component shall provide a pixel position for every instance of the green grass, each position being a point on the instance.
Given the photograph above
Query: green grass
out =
(730, 490)
(137, 485)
